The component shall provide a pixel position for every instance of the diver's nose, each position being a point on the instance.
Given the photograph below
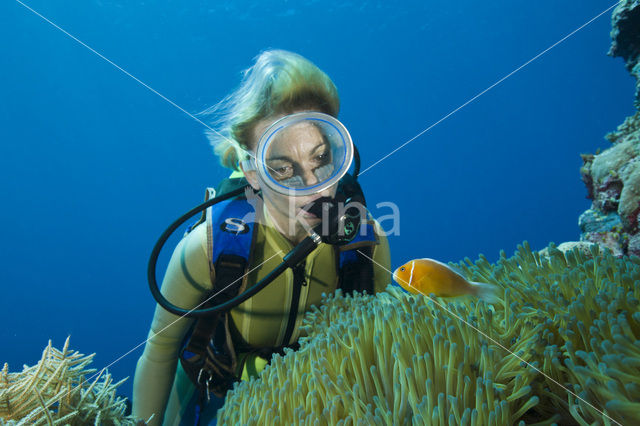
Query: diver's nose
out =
(309, 177)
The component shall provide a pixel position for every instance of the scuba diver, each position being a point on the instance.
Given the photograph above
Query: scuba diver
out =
(288, 225)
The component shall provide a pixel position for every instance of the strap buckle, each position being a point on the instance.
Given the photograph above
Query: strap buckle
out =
(207, 381)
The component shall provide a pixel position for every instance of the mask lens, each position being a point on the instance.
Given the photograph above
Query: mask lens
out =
(305, 153)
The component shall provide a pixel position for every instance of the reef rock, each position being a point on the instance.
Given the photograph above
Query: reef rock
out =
(584, 247)
(626, 39)
(612, 177)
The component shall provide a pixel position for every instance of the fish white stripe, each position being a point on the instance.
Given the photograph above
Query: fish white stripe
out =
(413, 264)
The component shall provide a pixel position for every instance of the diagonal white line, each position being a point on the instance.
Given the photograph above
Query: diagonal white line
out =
(234, 143)
(488, 88)
(449, 311)
(120, 68)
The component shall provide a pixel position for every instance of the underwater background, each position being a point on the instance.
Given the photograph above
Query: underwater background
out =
(93, 166)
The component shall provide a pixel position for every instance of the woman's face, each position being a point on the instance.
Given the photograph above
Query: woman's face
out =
(299, 155)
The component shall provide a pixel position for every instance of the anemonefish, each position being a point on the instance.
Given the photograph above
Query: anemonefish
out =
(426, 276)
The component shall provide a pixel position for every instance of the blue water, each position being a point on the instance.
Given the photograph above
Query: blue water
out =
(93, 166)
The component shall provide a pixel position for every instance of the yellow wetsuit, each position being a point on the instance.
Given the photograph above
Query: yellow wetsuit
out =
(260, 321)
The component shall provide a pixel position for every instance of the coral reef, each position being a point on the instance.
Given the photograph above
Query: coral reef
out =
(613, 176)
(571, 324)
(613, 182)
(625, 38)
(56, 391)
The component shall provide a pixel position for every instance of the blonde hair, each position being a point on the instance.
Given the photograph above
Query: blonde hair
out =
(279, 82)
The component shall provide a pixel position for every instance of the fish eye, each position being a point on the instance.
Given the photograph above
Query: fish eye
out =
(402, 269)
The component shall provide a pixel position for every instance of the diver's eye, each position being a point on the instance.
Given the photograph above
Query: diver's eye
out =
(283, 172)
(322, 158)
(402, 269)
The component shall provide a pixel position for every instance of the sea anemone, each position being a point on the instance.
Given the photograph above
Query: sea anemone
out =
(589, 306)
(562, 347)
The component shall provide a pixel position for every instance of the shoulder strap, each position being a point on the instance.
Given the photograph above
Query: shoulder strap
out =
(209, 356)
(231, 225)
(355, 265)
(237, 217)
(209, 194)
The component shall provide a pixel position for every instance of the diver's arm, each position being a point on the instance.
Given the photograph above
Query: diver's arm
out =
(381, 261)
(185, 284)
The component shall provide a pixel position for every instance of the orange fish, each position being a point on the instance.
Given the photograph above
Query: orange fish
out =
(426, 276)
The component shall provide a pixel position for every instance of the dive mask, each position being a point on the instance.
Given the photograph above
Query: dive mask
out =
(302, 154)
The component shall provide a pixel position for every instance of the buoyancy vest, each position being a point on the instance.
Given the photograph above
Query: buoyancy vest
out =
(210, 354)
